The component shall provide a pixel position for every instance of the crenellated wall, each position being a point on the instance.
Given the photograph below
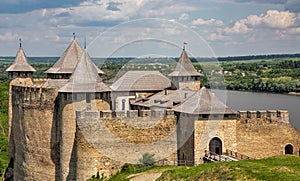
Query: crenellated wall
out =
(34, 140)
(267, 116)
(262, 134)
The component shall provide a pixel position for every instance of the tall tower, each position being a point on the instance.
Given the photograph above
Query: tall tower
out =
(20, 69)
(185, 75)
(84, 90)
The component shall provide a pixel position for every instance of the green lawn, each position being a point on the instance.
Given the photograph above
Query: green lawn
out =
(286, 167)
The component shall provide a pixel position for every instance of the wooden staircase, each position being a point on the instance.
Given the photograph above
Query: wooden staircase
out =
(227, 156)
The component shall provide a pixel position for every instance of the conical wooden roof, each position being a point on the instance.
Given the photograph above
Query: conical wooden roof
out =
(204, 102)
(68, 61)
(184, 67)
(20, 63)
(85, 77)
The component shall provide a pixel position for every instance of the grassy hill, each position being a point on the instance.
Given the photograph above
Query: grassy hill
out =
(286, 167)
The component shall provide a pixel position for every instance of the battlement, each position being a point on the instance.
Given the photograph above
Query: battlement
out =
(33, 93)
(108, 114)
(266, 115)
(39, 81)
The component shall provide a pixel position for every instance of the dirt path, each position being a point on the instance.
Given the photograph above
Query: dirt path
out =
(144, 176)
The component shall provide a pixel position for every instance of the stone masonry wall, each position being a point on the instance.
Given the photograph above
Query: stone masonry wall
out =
(34, 134)
(263, 134)
(68, 107)
(125, 140)
(205, 130)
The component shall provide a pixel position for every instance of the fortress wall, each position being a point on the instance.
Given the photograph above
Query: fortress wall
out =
(125, 140)
(89, 160)
(33, 131)
(69, 105)
(205, 130)
(15, 82)
(263, 134)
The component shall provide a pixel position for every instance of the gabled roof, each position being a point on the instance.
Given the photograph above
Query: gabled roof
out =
(21, 63)
(184, 67)
(165, 99)
(141, 81)
(85, 77)
(204, 102)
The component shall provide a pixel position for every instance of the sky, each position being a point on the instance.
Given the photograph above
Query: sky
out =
(146, 28)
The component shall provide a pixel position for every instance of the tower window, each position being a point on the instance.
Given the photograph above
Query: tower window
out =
(123, 104)
(88, 97)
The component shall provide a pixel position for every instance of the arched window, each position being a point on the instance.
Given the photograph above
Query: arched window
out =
(288, 149)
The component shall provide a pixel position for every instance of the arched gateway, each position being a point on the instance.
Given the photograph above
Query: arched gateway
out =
(215, 146)
(288, 149)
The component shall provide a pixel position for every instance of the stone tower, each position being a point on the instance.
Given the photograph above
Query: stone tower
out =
(84, 91)
(185, 75)
(22, 72)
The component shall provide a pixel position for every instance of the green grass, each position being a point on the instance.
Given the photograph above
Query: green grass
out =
(286, 167)
(3, 126)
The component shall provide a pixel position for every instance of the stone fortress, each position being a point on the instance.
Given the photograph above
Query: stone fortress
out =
(72, 125)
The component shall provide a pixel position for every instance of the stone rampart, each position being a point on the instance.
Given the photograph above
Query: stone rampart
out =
(125, 138)
(151, 114)
(33, 94)
(34, 140)
(262, 134)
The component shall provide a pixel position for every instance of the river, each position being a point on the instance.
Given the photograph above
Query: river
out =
(240, 100)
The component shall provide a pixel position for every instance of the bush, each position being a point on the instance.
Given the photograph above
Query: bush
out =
(127, 168)
(147, 159)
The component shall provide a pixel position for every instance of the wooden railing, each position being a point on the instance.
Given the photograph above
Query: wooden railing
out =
(211, 156)
(236, 155)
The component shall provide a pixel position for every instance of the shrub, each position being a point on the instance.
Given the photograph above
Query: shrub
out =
(147, 159)
(127, 168)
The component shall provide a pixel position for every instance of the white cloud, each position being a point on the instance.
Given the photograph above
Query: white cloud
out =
(201, 21)
(240, 27)
(254, 20)
(183, 17)
(218, 37)
(9, 36)
(279, 19)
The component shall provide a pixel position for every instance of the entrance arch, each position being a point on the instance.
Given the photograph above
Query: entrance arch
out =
(288, 149)
(215, 146)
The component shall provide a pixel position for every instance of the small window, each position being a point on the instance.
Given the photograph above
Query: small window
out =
(123, 104)
(205, 116)
(88, 97)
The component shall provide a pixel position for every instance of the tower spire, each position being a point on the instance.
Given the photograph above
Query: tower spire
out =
(74, 36)
(184, 43)
(20, 40)
(85, 42)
